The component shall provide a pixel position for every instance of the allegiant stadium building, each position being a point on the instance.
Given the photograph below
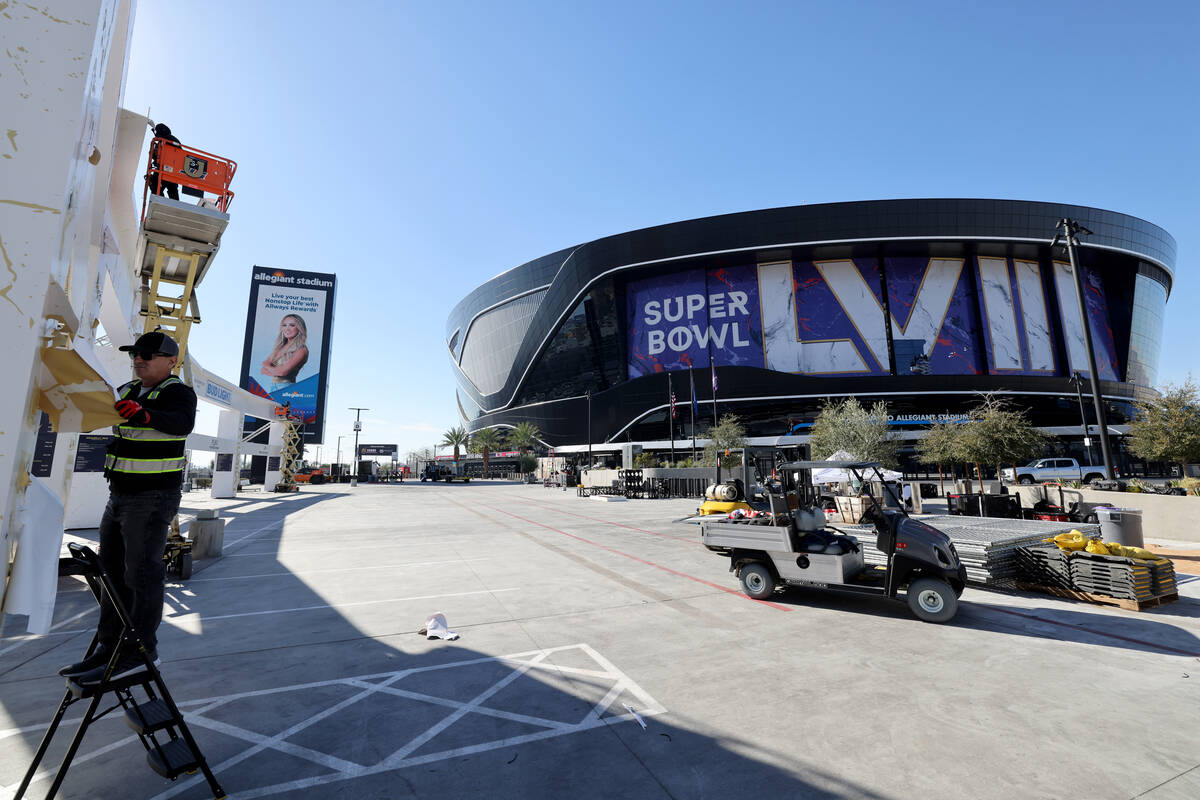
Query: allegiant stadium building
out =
(922, 304)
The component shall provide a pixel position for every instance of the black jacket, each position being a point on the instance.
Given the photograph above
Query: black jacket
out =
(146, 457)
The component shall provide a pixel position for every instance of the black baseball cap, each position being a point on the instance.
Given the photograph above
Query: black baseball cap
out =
(153, 342)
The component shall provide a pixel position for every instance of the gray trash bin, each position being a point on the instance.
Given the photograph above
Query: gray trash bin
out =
(1121, 525)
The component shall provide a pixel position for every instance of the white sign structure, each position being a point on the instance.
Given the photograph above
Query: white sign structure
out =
(71, 280)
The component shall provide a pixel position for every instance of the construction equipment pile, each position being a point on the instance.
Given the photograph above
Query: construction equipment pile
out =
(1077, 562)
(987, 546)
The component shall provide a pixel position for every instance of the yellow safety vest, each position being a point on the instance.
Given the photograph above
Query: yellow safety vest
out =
(139, 450)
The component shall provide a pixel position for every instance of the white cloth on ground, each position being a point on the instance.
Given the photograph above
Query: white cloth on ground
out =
(436, 628)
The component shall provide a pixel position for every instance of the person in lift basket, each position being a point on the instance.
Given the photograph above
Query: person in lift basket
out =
(144, 467)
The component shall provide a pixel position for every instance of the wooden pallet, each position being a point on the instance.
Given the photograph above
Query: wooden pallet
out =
(1126, 603)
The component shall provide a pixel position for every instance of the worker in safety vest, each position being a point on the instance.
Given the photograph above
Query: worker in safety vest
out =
(144, 468)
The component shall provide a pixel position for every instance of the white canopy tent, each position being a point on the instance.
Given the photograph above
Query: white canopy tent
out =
(840, 475)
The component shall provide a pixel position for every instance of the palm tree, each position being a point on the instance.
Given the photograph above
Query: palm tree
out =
(456, 438)
(484, 442)
(525, 435)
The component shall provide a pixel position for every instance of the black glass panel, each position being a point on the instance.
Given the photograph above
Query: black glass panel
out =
(585, 354)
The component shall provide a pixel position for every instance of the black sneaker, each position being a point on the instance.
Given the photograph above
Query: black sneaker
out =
(96, 659)
(128, 664)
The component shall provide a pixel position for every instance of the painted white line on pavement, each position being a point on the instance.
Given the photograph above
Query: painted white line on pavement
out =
(521, 663)
(339, 569)
(256, 531)
(250, 508)
(32, 637)
(193, 618)
(50, 772)
(276, 553)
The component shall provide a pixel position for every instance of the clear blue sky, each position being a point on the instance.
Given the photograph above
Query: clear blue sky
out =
(418, 149)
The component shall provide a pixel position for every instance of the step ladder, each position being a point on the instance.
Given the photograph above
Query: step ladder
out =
(170, 749)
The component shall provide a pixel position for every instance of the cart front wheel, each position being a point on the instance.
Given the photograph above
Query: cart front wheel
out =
(185, 566)
(932, 600)
(757, 581)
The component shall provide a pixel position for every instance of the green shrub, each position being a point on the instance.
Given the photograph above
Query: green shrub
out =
(646, 460)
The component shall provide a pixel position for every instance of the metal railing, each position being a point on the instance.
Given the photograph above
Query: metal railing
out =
(203, 172)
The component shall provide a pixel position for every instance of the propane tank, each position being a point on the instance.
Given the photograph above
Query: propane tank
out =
(721, 492)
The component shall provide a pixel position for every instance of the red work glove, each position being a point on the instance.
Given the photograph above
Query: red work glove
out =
(132, 411)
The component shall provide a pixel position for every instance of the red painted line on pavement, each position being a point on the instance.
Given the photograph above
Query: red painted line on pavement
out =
(1129, 639)
(1035, 618)
(619, 525)
(643, 561)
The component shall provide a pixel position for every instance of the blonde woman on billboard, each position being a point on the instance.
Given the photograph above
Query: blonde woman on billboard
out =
(289, 354)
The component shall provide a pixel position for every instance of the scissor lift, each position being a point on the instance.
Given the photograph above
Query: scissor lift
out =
(180, 239)
(293, 433)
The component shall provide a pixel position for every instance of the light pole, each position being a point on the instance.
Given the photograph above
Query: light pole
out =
(589, 401)
(1077, 382)
(339, 455)
(357, 427)
(1070, 237)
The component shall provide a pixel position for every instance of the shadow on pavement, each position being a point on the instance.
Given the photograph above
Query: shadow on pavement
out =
(1142, 633)
(289, 698)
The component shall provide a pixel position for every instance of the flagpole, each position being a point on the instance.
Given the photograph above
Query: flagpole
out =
(692, 380)
(712, 365)
(671, 415)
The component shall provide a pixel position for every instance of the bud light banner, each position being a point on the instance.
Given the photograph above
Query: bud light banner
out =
(694, 318)
(285, 357)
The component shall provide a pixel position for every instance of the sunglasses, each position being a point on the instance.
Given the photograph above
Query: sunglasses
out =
(136, 354)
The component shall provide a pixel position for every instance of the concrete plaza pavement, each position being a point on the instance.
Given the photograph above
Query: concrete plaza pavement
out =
(296, 659)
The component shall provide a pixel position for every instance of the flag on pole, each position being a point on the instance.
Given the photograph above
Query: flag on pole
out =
(671, 387)
(692, 381)
(713, 365)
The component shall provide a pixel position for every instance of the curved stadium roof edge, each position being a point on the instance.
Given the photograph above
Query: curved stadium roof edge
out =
(1164, 257)
(566, 274)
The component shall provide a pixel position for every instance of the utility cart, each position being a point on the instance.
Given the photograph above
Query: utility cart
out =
(792, 547)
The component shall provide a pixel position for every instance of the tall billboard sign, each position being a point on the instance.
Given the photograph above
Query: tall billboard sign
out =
(378, 450)
(289, 327)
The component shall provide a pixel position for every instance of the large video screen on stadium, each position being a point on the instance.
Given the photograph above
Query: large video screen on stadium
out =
(947, 316)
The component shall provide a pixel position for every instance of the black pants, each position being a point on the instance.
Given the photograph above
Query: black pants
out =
(133, 536)
(171, 189)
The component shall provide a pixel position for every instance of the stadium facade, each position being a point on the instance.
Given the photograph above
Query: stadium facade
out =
(922, 304)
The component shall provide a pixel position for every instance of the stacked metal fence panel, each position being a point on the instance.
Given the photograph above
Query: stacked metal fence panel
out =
(1164, 577)
(1045, 565)
(1093, 573)
(987, 545)
(1112, 576)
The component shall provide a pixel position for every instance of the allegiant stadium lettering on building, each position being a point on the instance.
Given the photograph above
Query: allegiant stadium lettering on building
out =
(291, 280)
(947, 316)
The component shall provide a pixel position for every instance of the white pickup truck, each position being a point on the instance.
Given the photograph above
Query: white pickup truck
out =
(1054, 469)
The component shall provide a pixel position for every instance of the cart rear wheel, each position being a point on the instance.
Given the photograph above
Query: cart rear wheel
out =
(185, 566)
(757, 581)
(932, 600)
